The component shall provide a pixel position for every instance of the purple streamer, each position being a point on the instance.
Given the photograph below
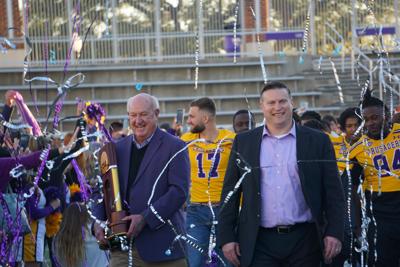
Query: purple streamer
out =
(9, 222)
(46, 58)
(27, 115)
(214, 260)
(57, 111)
(82, 180)
(14, 229)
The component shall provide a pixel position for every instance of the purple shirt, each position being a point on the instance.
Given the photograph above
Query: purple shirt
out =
(282, 199)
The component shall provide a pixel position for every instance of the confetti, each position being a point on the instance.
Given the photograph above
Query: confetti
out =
(138, 86)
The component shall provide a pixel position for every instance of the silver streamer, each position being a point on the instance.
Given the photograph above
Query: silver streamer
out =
(102, 224)
(130, 257)
(4, 42)
(50, 164)
(83, 131)
(339, 87)
(15, 126)
(196, 62)
(176, 234)
(72, 82)
(349, 201)
(76, 153)
(153, 210)
(357, 66)
(248, 107)
(17, 171)
(124, 243)
(187, 241)
(28, 47)
(166, 166)
(247, 170)
(212, 239)
(197, 52)
(260, 53)
(307, 28)
(380, 166)
(31, 192)
(235, 40)
(375, 226)
(363, 239)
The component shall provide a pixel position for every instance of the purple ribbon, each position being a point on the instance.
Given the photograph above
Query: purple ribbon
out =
(27, 115)
(214, 260)
(9, 221)
(14, 229)
(82, 180)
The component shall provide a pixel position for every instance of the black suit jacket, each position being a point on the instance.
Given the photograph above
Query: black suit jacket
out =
(320, 183)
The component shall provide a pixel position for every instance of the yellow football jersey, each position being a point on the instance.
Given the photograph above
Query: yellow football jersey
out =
(341, 148)
(207, 166)
(374, 155)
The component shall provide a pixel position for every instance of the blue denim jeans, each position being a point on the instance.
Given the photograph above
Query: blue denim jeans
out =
(198, 226)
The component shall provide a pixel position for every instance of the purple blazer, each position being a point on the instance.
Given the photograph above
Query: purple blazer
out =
(169, 196)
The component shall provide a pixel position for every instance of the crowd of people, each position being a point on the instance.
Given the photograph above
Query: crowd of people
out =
(297, 190)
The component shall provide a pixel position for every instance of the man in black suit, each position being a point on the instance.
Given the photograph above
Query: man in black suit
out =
(293, 205)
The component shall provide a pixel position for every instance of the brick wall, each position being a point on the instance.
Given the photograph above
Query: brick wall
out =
(3, 18)
(250, 22)
(17, 18)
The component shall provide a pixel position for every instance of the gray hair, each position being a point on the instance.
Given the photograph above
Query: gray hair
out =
(152, 99)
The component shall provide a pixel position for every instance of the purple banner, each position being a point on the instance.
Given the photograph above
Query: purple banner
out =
(374, 31)
(229, 44)
(286, 35)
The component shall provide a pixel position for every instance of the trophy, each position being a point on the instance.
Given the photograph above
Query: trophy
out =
(116, 235)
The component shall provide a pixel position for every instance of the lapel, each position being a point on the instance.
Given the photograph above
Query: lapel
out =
(124, 158)
(255, 147)
(152, 148)
(302, 146)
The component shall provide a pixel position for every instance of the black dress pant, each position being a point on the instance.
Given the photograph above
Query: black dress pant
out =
(298, 248)
(386, 245)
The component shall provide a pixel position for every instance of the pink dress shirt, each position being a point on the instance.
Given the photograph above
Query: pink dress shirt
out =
(282, 198)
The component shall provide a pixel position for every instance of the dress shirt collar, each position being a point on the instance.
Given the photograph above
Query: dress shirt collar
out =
(145, 143)
(292, 132)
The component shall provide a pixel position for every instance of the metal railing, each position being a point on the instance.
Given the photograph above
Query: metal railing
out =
(332, 35)
(159, 30)
(383, 85)
(142, 47)
(367, 66)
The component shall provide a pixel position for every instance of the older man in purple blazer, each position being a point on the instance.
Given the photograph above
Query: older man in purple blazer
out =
(141, 158)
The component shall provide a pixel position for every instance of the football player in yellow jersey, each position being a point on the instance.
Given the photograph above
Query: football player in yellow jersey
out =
(378, 152)
(349, 122)
(208, 161)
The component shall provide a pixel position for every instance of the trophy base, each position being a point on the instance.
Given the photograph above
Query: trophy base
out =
(116, 236)
(116, 242)
(117, 225)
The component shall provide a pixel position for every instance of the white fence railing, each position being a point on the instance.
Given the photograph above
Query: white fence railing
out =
(160, 30)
